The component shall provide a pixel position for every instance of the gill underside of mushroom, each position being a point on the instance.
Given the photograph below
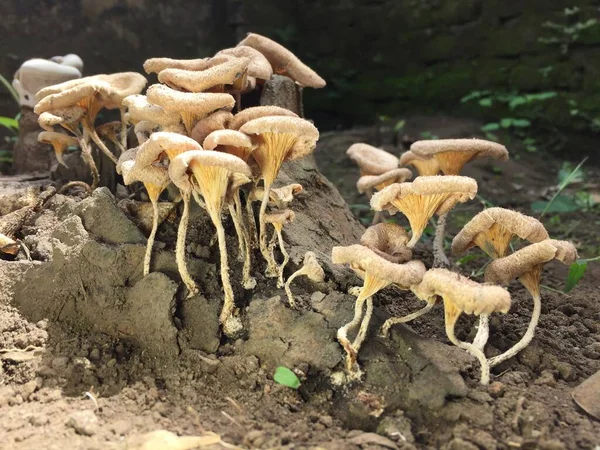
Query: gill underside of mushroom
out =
(385, 329)
(180, 247)
(418, 209)
(439, 257)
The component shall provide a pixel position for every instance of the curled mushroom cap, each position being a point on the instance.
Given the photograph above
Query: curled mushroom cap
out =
(230, 141)
(256, 112)
(139, 109)
(218, 120)
(283, 61)
(199, 81)
(453, 154)
(59, 141)
(280, 217)
(259, 67)
(371, 160)
(362, 259)
(151, 175)
(388, 240)
(493, 228)
(156, 65)
(426, 166)
(466, 295)
(171, 144)
(66, 117)
(285, 194)
(424, 197)
(367, 182)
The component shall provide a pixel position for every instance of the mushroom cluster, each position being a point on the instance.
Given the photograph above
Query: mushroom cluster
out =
(384, 256)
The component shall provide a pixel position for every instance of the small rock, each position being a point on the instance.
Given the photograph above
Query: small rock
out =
(326, 420)
(317, 296)
(120, 427)
(6, 395)
(255, 438)
(30, 387)
(111, 363)
(43, 324)
(546, 379)
(95, 354)
(496, 389)
(480, 396)
(531, 357)
(83, 422)
(484, 440)
(551, 444)
(60, 362)
(368, 439)
(461, 444)
(565, 370)
(38, 420)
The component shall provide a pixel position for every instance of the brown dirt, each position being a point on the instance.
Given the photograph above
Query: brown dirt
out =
(43, 386)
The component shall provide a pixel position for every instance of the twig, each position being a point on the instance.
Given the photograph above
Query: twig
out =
(232, 420)
(235, 404)
(518, 411)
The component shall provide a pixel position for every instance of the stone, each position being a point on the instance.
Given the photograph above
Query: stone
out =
(566, 371)
(587, 395)
(200, 324)
(60, 362)
(83, 422)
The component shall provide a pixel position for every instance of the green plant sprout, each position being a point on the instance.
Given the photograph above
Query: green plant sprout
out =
(286, 377)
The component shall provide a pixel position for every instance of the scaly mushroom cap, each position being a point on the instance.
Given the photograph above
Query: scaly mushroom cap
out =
(285, 194)
(230, 141)
(283, 61)
(371, 160)
(493, 229)
(259, 66)
(67, 117)
(257, 112)
(379, 182)
(59, 142)
(362, 260)
(388, 240)
(200, 104)
(108, 90)
(218, 120)
(144, 129)
(157, 65)
(462, 293)
(199, 81)
(280, 138)
(280, 217)
(425, 166)
(109, 130)
(149, 175)
(423, 198)
(164, 142)
(453, 154)
(312, 269)
(139, 109)
(527, 259)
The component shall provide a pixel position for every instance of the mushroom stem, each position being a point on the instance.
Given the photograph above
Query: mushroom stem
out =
(451, 315)
(230, 325)
(414, 238)
(385, 329)
(264, 249)
(247, 280)
(252, 232)
(101, 145)
(527, 337)
(154, 200)
(123, 130)
(286, 256)
(72, 184)
(180, 248)
(86, 155)
(238, 230)
(483, 332)
(364, 326)
(288, 291)
(439, 257)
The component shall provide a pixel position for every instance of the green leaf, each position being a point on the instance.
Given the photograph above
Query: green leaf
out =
(493, 126)
(560, 204)
(10, 89)
(506, 122)
(399, 125)
(468, 258)
(9, 122)
(485, 102)
(286, 377)
(517, 101)
(576, 273)
(521, 123)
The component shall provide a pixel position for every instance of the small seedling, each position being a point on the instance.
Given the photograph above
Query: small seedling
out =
(286, 377)
(576, 272)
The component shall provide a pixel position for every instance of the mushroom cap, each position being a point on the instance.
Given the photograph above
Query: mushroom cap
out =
(150, 174)
(72, 60)
(109, 129)
(203, 80)
(312, 269)
(197, 103)
(259, 66)
(367, 182)
(179, 165)
(256, 112)
(427, 166)
(163, 142)
(516, 223)
(389, 241)
(363, 259)
(157, 65)
(285, 194)
(480, 147)
(371, 160)
(139, 109)
(111, 89)
(463, 188)
(283, 61)
(67, 116)
(52, 137)
(144, 129)
(231, 138)
(218, 120)
(467, 295)
(307, 134)
(280, 216)
(503, 270)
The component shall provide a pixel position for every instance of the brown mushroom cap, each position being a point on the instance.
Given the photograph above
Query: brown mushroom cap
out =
(53, 137)
(139, 109)
(371, 160)
(109, 130)
(197, 103)
(453, 154)
(149, 174)
(259, 66)
(285, 194)
(280, 217)
(257, 112)
(463, 293)
(426, 166)
(493, 228)
(199, 81)
(218, 120)
(172, 144)
(388, 240)
(67, 117)
(363, 259)
(156, 65)
(283, 61)
(311, 268)
(230, 141)
(379, 182)
(503, 270)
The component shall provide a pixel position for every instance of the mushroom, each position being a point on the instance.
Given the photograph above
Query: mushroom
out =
(139, 109)
(377, 272)
(157, 65)
(240, 145)
(8, 246)
(111, 131)
(218, 120)
(212, 173)
(143, 130)
(461, 294)
(283, 61)
(59, 141)
(425, 166)
(282, 196)
(371, 160)
(387, 240)
(279, 218)
(526, 264)
(424, 197)
(311, 269)
(257, 112)
(190, 106)
(279, 139)
(367, 183)
(259, 66)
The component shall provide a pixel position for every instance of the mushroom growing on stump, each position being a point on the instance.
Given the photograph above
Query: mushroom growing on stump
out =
(240, 145)
(377, 272)
(426, 166)
(278, 139)
(526, 264)
(259, 68)
(367, 183)
(424, 197)
(212, 173)
(279, 218)
(461, 294)
(311, 269)
(452, 155)
(59, 141)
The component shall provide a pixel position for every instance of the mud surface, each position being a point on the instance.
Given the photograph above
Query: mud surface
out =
(96, 355)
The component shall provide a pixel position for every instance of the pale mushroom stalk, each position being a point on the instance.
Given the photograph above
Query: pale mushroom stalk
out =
(252, 230)
(264, 248)
(385, 329)
(286, 256)
(180, 248)
(439, 257)
(248, 280)
(101, 144)
(153, 194)
(483, 332)
(86, 155)
(311, 269)
(123, 111)
(238, 231)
